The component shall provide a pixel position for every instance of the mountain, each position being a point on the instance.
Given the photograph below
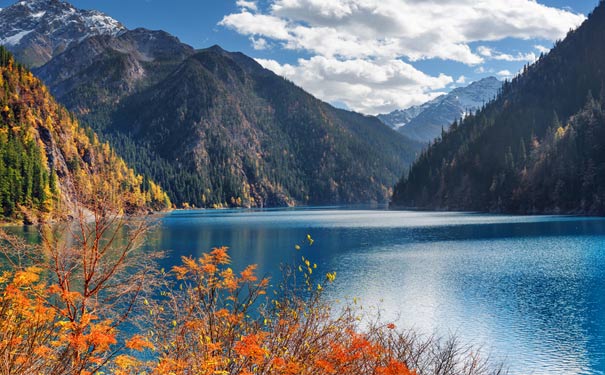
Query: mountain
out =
(48, 162)
(37, 30)
(424, 123)
(538, 148)
(222, 130)
(214, 128)
(101, 70)
(401, 117)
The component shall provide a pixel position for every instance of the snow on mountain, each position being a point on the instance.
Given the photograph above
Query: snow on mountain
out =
(37, 30)
(15, 39)
(425, 122)
(402, 117)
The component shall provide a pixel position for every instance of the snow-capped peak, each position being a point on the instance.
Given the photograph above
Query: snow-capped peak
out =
(49, 26)
(424, 122)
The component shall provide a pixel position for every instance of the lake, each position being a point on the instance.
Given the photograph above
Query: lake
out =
(530, 290)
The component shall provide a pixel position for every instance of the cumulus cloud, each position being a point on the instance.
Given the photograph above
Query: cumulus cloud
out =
(541, 49)
(365, 86)
(461, 80)
(493, 54)
(416, 29)
(259, 43)
(504, 74)
(379, 35)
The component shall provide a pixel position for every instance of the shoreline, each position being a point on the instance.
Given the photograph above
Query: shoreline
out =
(371, 206)
(507, 213)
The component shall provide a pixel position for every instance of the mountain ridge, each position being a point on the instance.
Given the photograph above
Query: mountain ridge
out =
(263, 121)
(130, 58)
(424, 123)
(38, 30)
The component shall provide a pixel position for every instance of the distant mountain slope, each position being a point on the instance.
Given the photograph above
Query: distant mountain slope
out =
(215, 128)
(401, 117)
(37, 30)
(537, 148)
(48, 162)
(424, 123)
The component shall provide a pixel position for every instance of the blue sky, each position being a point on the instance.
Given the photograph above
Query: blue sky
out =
(367, 58)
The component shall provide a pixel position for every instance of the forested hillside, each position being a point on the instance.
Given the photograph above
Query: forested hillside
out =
(48, 162)
(228, 132)
(216, 129)
(537, 148)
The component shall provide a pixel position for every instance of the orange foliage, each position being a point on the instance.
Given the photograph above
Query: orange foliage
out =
(208, 320)
(212, 321)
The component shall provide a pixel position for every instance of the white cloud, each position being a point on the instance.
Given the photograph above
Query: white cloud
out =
(259, 43)
(365, 86)
(461, 80)
(485, 51)
(244, 4)
(258, 25)
(504, 74)
(492, 54)
(381, 34)
(541, 49)
(416, 29)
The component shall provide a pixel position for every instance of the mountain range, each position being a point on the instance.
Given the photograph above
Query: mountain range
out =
(425, 122)
(215, 129)
(537, 148)
(212, 127)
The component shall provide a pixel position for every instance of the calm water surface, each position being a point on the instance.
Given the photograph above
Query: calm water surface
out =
(531, 290)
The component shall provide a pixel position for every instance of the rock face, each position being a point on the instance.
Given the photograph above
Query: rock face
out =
(37, 30)
(103, 69)
(424, 123)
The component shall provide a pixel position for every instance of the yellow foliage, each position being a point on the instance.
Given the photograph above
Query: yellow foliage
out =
(94, 165)
(560, 132)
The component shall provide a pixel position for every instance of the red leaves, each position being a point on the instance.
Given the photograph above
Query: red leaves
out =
(394, 368)
(357, 354)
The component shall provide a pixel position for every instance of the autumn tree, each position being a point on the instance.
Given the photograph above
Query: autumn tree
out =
(64, 301)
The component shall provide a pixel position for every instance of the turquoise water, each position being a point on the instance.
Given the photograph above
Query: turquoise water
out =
(528, 290)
